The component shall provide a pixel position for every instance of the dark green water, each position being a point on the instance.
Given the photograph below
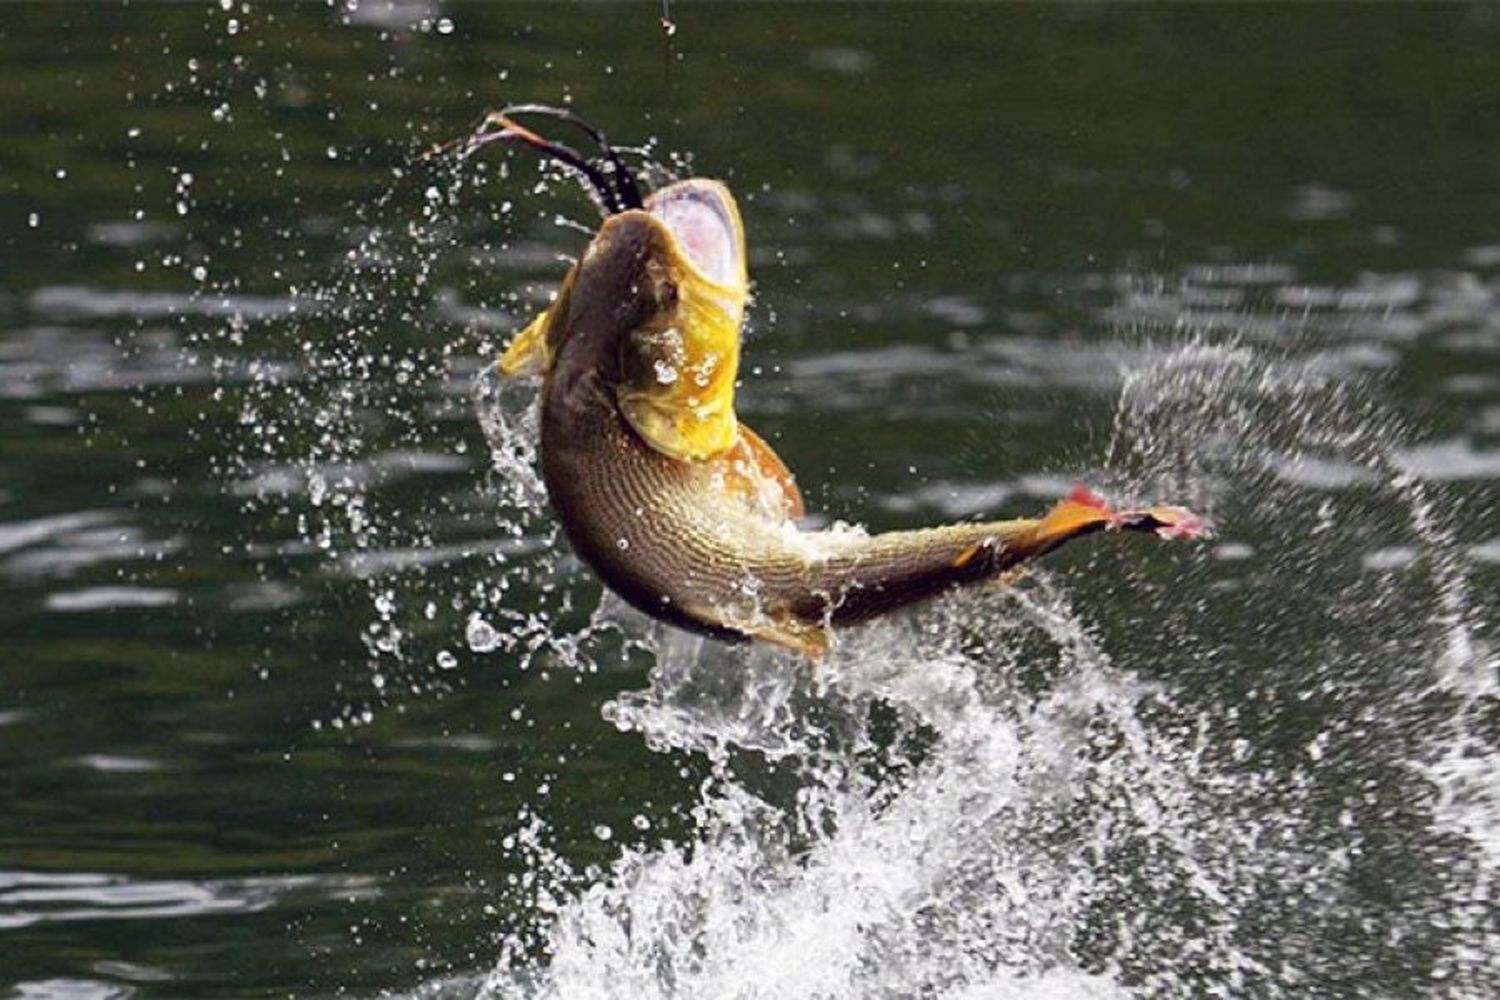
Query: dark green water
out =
(254, 742)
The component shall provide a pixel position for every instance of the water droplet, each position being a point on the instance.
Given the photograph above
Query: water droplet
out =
(33, 220)
(666, 374)
(446, 660)
(445, 26)
(603, 832)
(481, 635)
(622, 543)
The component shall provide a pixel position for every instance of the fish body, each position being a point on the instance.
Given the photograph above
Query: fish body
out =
(679, 507)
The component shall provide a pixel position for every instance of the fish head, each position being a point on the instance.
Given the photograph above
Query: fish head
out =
(655, 305)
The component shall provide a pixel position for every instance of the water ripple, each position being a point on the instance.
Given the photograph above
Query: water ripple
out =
(19, 534)
(288, 479)
(28, 898)
(70, 989)
(110, 598)
(71, 545)
(1450, 460)
(77, 301)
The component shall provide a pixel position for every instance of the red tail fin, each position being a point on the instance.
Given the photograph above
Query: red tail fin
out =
(1083, 510)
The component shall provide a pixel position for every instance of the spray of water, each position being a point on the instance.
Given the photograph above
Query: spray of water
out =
(353, 398)
(1274, 776)
(1272, 779)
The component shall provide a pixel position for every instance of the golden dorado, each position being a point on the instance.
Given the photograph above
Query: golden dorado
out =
(680, 508)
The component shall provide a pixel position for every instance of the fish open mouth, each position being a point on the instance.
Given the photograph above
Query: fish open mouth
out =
(701, 216)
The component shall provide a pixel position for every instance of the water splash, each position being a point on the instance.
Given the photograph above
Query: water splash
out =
(1268, 788)
(364, 388)
(1274, 776)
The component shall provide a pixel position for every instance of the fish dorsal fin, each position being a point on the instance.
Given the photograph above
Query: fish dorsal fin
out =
(754, 470)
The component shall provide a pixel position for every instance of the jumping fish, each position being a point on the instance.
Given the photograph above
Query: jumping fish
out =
(679, 507)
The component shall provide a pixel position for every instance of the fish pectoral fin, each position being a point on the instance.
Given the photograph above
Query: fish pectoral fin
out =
(527, 353)
(753, 466)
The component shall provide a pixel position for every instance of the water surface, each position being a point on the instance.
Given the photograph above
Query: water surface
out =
(301, 694)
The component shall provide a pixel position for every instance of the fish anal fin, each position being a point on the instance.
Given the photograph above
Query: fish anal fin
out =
(782, 628)
(751, 466)
(812, 641)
